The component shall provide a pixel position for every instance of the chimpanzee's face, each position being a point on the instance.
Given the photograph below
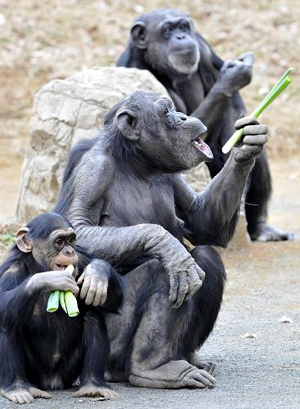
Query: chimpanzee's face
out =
(169, 140)
(171, 43)
(57, 251)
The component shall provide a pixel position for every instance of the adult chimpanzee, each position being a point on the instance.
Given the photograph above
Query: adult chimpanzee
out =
(50, 351)
(166, 43)
(124, 195)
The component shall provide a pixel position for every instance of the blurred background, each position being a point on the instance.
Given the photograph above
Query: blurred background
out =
(41, 41)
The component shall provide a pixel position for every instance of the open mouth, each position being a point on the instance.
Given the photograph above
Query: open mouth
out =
(203, 148)
(60, 266)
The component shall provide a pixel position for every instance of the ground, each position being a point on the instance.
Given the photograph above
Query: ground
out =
(257, 355)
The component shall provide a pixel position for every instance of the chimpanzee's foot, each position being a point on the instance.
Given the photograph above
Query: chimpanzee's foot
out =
(174, 374)
(264, 232)
(20, 394)
(208, 366)
(93, 391)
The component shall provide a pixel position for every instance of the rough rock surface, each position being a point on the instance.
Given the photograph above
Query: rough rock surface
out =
(64, 112)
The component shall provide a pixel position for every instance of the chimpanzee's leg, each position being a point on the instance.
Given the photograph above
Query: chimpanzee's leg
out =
(13, 383)
(256, 207)
(206, 306)
(95, 356)
(152, 333)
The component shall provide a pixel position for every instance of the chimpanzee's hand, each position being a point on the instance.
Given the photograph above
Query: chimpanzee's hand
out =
(255, 136)
(53, 280)
(236, 74)
(94, 282)
(184, 283)
(185, 275)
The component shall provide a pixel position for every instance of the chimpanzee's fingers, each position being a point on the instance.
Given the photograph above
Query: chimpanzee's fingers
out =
(226, 65)
(246, 120)
(205, 377)
(251, 150)
(85, 287)
(104, 292)
(92, 291)
(260, 129)
(98, 295)
(247, 58)
(196, 276)
(81, 278)
(183, 288)
(75, 289)
(66, 283)
(258, 140)
(174, 285)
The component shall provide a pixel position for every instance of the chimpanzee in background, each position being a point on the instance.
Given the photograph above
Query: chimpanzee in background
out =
(125, 197)
(50, 351)
(166, 43)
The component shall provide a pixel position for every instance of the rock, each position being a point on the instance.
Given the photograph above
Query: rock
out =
(64, 112)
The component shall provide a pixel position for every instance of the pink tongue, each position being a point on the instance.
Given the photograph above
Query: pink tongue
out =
(204, 148)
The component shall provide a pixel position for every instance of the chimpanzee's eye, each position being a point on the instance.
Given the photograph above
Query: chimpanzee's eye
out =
(184, 26)
(166, 111)
(59, 242)
(72, 240)
(167, 31)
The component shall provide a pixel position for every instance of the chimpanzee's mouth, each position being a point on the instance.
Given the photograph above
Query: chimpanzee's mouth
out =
(203, 148)
(60, 266)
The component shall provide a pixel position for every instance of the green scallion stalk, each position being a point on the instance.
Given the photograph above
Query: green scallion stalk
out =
(53, 301)
(62, 301)
(71, 304)
(66, 299)
(278, 88)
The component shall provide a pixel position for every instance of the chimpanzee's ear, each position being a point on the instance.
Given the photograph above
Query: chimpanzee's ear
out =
(138, 34)
(22, 242)
(127, 124)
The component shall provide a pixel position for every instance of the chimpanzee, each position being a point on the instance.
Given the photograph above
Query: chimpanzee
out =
(123, 193)
(166, 43)
(42, 351)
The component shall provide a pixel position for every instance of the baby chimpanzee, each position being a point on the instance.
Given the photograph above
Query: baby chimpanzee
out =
(41, 351)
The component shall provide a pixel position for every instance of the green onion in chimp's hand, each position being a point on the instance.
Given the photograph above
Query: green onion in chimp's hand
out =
(280, 86)
(53, 301)
(66, 299)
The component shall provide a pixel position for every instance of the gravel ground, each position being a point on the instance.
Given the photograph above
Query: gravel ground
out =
(257, 355)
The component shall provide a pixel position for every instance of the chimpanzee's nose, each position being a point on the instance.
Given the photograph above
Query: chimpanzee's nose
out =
(181, 116)
(180, 36)
(70, 251)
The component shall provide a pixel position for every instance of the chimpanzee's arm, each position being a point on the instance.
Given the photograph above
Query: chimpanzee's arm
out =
(91, 184)
(211, 216)
(20, 290)
(16, 302)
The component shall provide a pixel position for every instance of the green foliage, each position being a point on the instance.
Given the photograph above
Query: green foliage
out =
(7, 238)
